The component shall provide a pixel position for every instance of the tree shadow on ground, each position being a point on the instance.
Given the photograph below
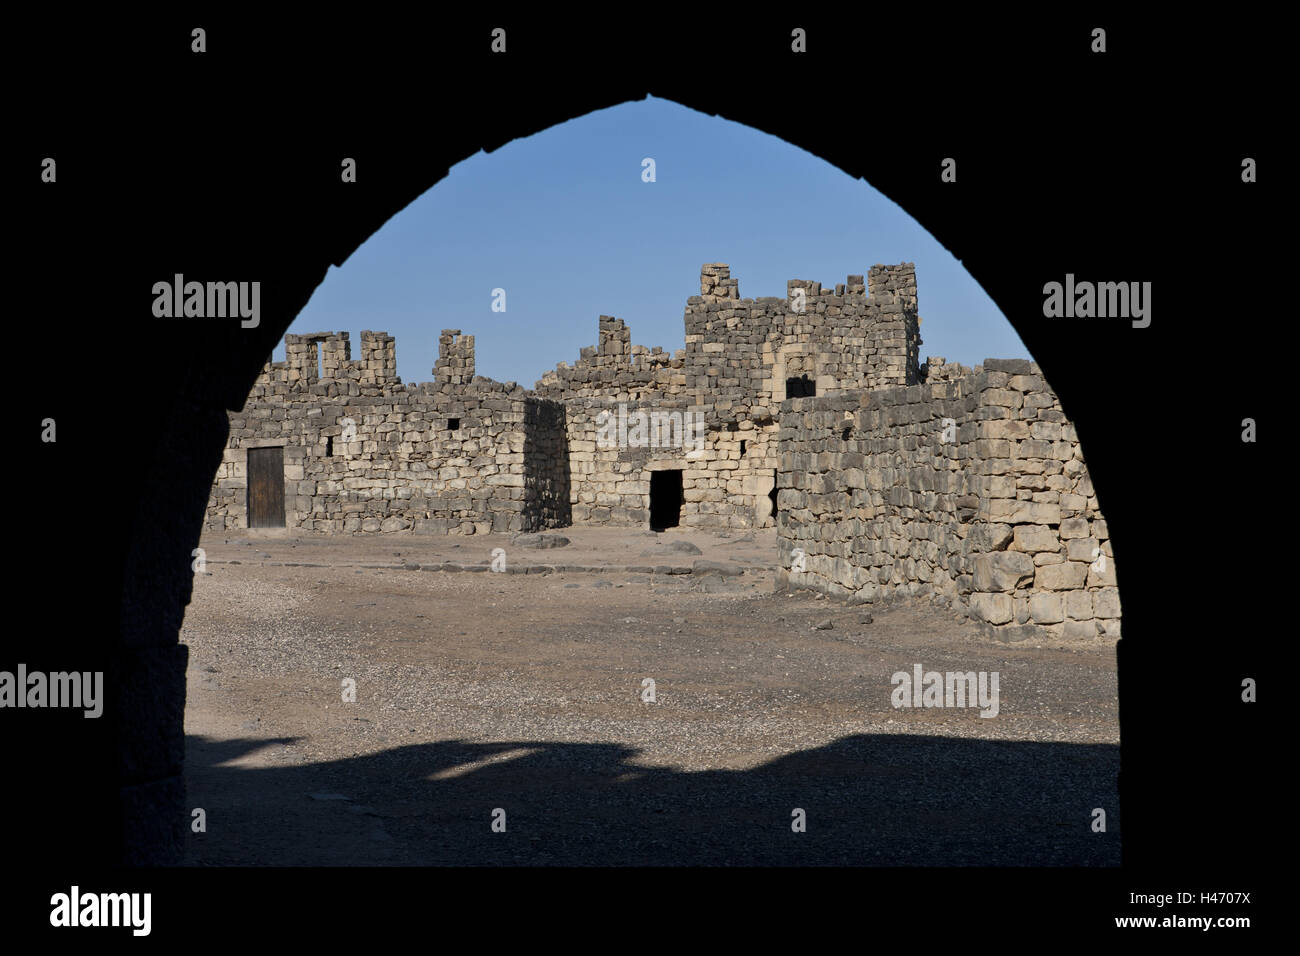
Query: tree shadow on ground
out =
(868, 799)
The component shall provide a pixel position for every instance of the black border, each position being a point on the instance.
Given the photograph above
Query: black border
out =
(1122, 165)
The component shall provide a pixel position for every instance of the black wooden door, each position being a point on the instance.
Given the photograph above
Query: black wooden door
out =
(266, 487)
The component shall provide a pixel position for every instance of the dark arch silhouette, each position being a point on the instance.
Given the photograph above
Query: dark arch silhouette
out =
(257, 196)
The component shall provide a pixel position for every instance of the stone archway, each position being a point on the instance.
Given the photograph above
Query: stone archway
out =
(185, 403)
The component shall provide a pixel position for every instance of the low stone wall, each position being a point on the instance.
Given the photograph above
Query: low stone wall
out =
(970, 487)
(392, 461)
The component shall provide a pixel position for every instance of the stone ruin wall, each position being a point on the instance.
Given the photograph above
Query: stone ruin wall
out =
(732, 376)
(402, 467)
(992, 512)
(897, 479)
(525, 460)
(998, 520)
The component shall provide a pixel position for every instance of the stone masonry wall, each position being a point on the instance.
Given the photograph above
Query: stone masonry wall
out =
(732, 374)
(969, 487)
(363, 452)
(893, 479)
(465, 454)
(726, 477)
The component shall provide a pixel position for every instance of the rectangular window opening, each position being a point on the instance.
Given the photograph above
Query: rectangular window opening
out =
(800, 387)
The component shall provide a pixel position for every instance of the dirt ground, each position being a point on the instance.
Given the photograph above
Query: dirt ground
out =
(517, 699)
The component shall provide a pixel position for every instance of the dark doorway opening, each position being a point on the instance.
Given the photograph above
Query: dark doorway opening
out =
(771, 495)
(665, 499)
(266, 487)
(800, 387)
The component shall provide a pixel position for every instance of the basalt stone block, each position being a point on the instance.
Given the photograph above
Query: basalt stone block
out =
(990, 537)
(1074, 528)
(1046, 609)
(1079, 605)
(1082, 549)
(1010, 366)
(1107, 602)
(1010, 429)
(1101, 575)
(539, 541)
(1002, 571)
(1016, 632)
(1061, 577)
(1080, 630)
(1033, 538)
(995, 608)
(719, 568)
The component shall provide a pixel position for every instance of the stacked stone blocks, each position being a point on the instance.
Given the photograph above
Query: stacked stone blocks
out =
(897, 478)
(971, 488)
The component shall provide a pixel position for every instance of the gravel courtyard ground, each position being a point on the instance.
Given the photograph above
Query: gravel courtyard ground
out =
(518, 696)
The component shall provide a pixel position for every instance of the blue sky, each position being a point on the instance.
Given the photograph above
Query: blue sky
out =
(563, 222)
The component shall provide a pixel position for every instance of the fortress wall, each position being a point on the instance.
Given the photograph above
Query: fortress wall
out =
(614, 447)
(896, 479)
(365, 453)
(740, 352)
(732, 375)
(970, 487)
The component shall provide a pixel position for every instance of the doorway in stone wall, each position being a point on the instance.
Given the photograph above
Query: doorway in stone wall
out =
(266, 487)
(665, 499)
(771, 495)
(485, 629)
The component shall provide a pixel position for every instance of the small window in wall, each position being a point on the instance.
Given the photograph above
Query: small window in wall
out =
(453, 424)
(800, 387)
(742, 448)
(329, 446)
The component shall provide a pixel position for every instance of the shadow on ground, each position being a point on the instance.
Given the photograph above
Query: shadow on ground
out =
(869, 800)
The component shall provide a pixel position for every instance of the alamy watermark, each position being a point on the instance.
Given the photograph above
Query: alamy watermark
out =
(211, 300)
(76, 908)
(953, 689)
(1098, 300)
(653, 429)
(74, 689)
